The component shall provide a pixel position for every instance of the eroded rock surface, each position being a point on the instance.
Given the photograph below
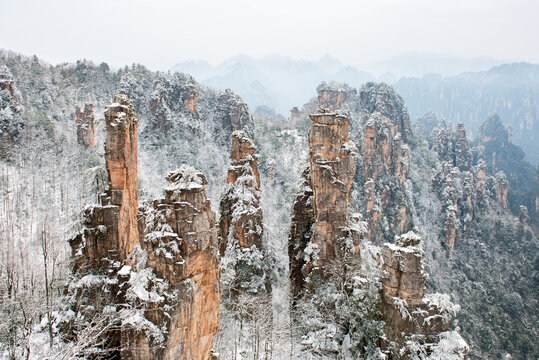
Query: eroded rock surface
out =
(321, 229)
(231, 114)
(85, 125)
(410, 314)
(240, 225)
(149, 276)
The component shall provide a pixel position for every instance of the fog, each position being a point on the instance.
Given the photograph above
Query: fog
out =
(161, 33)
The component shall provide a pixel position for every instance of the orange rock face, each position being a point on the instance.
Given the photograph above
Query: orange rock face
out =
(331, 99)
(322, 230)
(501, 189)
(333, 166)
(85, 125)
(176, 300)
(402, 270)
(187, 257)
(383, 153)
(407, 309)
(189, 98)
(121, 160)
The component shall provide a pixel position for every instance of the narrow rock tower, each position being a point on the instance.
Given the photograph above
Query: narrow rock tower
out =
(85, 125)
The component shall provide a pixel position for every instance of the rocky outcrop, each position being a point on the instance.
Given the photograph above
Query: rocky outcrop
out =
(463, 154)
(321, 231)
(180, 241)
(231, 114)
(386, 161)
(300, 235)
(240, 225)
(110, 229)
(332, 96)
(149, 276)
(411, 315)
(85, 125)
(190, 97)
(452, 147)
(240, 203)
(382, 98)
(294, 113)
(333, 166)
(121, 162)
(502, 186)
(173, 104)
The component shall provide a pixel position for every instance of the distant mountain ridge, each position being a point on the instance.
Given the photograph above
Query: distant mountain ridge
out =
(462, 89)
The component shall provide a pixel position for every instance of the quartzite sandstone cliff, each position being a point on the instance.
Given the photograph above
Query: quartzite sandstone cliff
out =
(152, 273)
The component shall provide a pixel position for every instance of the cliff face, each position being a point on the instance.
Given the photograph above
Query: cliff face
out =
(321, 231)
(231, 114)
(180, 240)
(240, 203)
(332, 163)
(240, 226)
(158, 264)
(386, 159)
(121, 162)
(85, 125)
(412, 316)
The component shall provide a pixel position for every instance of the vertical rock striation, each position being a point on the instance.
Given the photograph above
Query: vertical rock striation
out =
(240, 225)
(180, 241)
(333, 96)
(149, 275)
(121, 162)
(333, 166)
(385, 155)
(85, 125)
(411, 316)
(231, 114)
(321, 231)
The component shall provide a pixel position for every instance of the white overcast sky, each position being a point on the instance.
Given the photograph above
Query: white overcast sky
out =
(160, 33)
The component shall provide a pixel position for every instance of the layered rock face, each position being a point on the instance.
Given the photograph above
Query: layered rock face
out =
(121, 162)
(174, 103)
(180, 240)
(231, 114)
(321, 231)
(333, 166)
(410, 314)
(85, 125)
(386, 160)
(332, 96)
(111, 230)
(151, 274)
(240, 226)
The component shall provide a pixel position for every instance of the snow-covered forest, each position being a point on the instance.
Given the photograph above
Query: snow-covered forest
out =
(417, 186)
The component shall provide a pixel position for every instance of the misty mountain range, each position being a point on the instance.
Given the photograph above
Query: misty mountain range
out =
(459, 89)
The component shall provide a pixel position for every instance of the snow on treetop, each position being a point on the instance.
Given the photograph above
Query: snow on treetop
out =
(408, 239)
(185, 178)
(333, 86)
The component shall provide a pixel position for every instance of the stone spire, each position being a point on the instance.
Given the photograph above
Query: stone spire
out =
(85, 125)
(121, 161)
